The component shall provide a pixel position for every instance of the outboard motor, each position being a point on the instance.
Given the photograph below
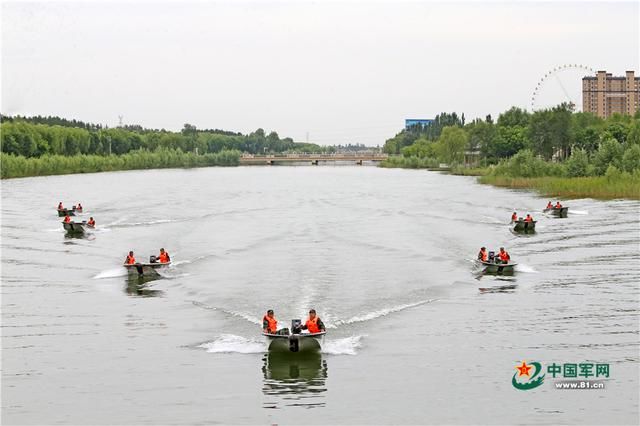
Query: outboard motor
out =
(296, 326)
(152, 259)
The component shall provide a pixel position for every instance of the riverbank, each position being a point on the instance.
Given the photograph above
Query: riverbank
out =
(599, 187)
(15, 166)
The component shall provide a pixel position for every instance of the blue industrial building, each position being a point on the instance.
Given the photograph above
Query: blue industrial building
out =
(423, 122)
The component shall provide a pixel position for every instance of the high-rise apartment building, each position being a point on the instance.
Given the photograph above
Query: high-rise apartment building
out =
(605, 94)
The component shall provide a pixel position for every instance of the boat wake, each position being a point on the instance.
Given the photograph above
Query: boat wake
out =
(521, 267)
(345, 346)
(111, 273)
(231, 343)
(377, 314)
(583, 212)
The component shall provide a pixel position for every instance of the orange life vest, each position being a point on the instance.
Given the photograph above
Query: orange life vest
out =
(558, 206)
(163, 257)
(312, 325)
(67, 219)
(504, 256)
(549, 206)
(528, 219)
(91, 223)
(514, 217)
(483, 256)
(272, 326)
(130, 260)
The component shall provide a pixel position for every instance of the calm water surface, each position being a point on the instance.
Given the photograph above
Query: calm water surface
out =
(415, 335)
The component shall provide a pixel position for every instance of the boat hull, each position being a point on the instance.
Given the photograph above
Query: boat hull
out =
(75, 227)
(522, 226)
(498, 268)
(297, 343)
(145, 269)
(561, 212)
(65, 212)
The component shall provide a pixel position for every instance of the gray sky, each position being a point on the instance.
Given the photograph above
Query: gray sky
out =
(341, 71)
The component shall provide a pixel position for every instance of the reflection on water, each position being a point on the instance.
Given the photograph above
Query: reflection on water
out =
(138, 286)
(294, 380)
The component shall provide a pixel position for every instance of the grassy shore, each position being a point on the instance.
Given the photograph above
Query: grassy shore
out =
(411, 163)
(600, 187)
(13, 166)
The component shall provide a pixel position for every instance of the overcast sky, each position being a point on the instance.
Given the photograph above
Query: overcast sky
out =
(338, 71)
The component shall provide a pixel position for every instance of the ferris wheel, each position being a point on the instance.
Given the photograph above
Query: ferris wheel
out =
(561, 84)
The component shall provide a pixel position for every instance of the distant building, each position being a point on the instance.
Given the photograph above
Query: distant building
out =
(604, 94)
(410, 122)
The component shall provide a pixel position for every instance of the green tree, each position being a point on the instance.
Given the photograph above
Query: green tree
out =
(578, 163)
(609, 154)
(514, 117)
(452, 144)
(631, 159)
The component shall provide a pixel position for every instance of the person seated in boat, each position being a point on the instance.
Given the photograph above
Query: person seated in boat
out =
(163, 257)
(504, 256)
(67, 218)
(514, 217)
(130, 260)
(79, 207)
(91, 222)
(528, 218)
(60, 206)
(314, 324)
(269, 323)
(483, 256)
(549, 205)
(558, 205)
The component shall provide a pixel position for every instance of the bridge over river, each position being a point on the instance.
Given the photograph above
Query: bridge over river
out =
(314, 159)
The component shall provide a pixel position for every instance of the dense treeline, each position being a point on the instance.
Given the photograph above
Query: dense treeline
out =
(39, 136)
(551, 142)
(19, 166)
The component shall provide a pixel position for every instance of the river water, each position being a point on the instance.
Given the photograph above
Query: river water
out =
(415, 334)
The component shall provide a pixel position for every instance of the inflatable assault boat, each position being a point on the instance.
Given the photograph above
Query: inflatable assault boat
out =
(297, 341)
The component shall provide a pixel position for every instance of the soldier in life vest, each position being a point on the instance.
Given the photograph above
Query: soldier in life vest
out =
(269, 323)
(67, 219)
(528, 218)
(78, 207)
(163, 257)
(313, 324)
(504, 256)
(130, 260)
(91, 222)
(60, 207)
(483, 255)
(514, 217)
(558, 205)
(549, 205)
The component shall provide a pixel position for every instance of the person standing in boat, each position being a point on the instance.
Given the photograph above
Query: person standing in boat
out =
(269, 323)
(130, 260)
(314, 324)
(514, 217)
(79, 207)
(482, 255)
(91, 222)
(528, 218)
(163, 257)
(60, 206)
(504, 256)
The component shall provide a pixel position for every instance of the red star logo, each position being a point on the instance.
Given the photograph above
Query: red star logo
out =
(524, 369)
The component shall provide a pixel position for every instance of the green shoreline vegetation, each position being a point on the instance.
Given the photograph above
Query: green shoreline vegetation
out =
(38, 146)
(555, 151)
